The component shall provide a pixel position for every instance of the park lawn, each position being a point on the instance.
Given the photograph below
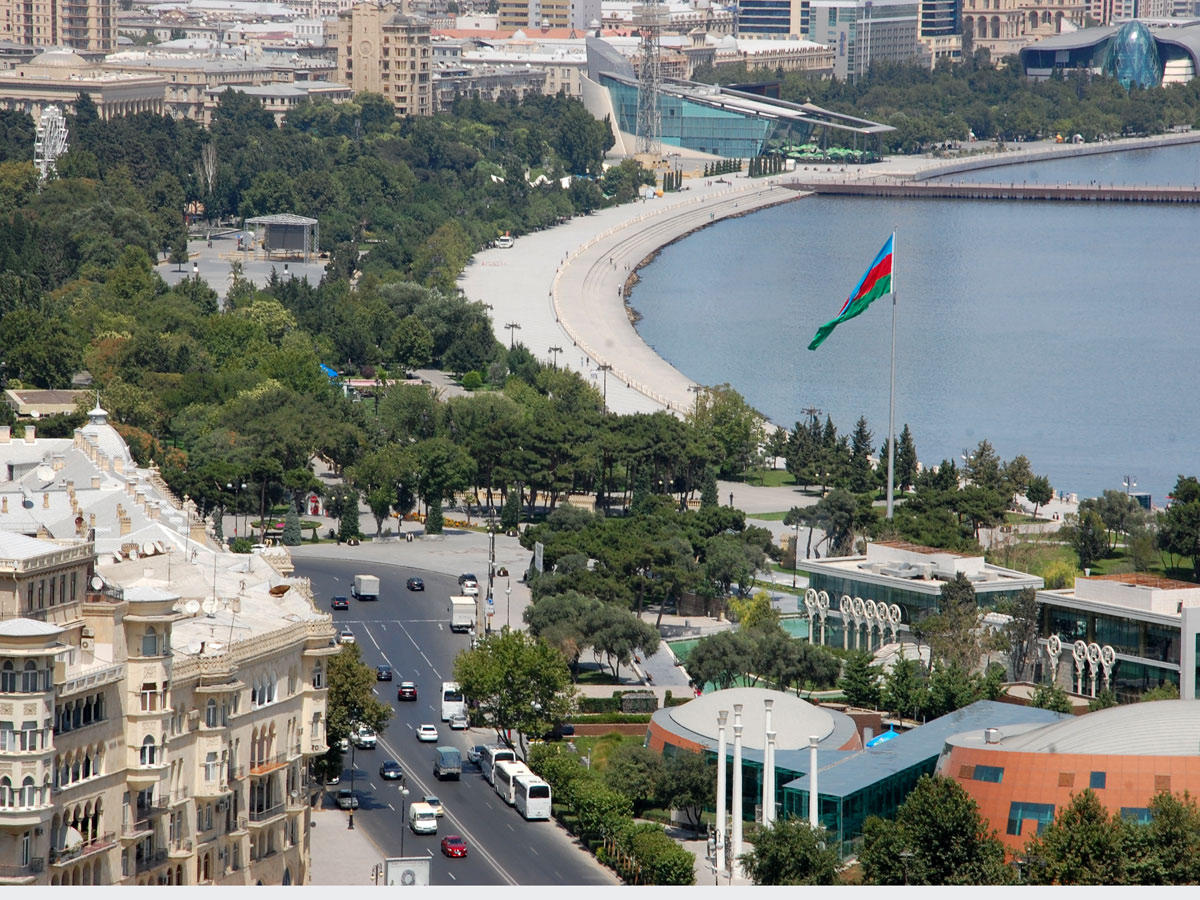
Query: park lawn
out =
(768, 477)
(1023, 519)
(598, 748)
(767, 516)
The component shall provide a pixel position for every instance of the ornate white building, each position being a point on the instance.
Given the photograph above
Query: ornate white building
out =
(161, 700)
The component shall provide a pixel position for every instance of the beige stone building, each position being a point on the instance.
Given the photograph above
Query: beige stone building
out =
(89, 25)
(383, 50)
(161, 700)
(59, 76)
(1003, 27)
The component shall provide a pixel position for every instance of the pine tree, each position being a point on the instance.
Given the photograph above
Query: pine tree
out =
(510, 512)
(434, 520)
(292, 535)
(348, 523)
(861, 476)
(708, 492)
(906, 460)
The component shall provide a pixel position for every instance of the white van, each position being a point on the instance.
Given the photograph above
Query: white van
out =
(422, 818)
(491, 755)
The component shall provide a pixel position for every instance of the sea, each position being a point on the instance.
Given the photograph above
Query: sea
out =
(1066, 332)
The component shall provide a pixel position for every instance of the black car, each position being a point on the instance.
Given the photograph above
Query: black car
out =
(340, 603)
(390, 770)
(415, 584)
(383, 673)
(406, 691)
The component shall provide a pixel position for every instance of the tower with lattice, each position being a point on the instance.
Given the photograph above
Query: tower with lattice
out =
(650, 19)
(50, 141)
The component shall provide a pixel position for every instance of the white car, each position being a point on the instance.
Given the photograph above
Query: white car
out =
(346, 636)
(471, 588)
(364, 738)
(435, 803)
(427, 733)
(459, 721)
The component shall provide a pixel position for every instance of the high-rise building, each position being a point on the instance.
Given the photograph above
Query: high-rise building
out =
(863, 32)
(771, 18)
(161, 700)
(382, 49)
(89, 25)
(577, 14)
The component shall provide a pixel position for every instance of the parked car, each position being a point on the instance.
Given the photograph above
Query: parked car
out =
(435, 802)
(363, 737)
(454, 846)
(340, 602)
(470, 587)
(346, 636)
(459, 721)
(467, 576)
(406, 691)
(427, 733)
(415, 584)
(347, 799)
(475, 753)
(333, 779)
(383, 673)
(390, 770)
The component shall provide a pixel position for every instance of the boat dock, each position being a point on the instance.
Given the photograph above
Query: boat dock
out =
(964, 191)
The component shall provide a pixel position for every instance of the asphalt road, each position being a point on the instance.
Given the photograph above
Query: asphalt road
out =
(410, 631)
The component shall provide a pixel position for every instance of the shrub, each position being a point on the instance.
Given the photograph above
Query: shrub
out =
(472, 381)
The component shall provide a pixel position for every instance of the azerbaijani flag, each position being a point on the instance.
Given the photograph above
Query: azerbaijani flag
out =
(875, 283)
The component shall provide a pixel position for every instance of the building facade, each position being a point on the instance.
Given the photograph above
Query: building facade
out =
(771, 18)
(1003, 27)
(161, 700)
(576, 14)
(87, 25)
(58, 77)
(862, 32)
(382, 50)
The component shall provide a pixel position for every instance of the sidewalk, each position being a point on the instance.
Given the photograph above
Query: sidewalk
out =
(339, 855)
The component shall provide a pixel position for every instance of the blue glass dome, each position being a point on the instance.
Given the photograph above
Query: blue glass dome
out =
(1132, 57)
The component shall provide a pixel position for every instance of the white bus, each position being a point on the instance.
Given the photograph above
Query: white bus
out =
(505, 781)
(492, 755)
(532, 797)
(452, 700)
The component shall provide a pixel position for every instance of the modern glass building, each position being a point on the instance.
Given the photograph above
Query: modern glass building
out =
(1135, 53)
(770, 18)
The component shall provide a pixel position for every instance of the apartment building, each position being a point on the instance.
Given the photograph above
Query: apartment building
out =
(383, 50)
(88, 25)
(161, 700)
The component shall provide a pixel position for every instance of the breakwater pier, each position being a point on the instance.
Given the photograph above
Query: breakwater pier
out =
(968, 191)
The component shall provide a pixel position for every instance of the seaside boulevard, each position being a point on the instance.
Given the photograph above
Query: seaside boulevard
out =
(565, 287)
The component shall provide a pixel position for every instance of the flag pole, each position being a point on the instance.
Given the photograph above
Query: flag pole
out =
(892, 400)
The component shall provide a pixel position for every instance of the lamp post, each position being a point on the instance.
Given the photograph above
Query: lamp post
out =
(604, 367)
(403, 794)
(237, 501)
(353, 796)
(554, 351)
(512, 328)
(508, 604)
(796, 555)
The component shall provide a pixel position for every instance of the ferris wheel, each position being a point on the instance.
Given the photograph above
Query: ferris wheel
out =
(50, 142)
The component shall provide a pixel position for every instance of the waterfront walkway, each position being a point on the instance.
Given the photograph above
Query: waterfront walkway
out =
(971, 191)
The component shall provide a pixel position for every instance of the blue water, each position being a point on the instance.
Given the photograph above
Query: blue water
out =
(1177, 166)
(1063, 331)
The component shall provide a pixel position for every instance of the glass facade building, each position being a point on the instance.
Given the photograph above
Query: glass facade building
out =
(1132, 57)
(767, 18)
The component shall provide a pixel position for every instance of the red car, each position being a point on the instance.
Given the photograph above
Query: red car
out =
(453, 845)
(406, 691)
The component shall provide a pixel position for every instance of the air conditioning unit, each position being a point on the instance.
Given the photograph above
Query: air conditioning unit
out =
(87, 644)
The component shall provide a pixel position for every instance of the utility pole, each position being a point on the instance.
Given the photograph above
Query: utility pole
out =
(604, 367)
(512, 327)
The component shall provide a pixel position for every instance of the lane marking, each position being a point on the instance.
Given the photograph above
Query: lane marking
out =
(428, 661)
(451, 874)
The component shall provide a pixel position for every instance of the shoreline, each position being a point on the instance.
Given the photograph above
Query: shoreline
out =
(573, 266)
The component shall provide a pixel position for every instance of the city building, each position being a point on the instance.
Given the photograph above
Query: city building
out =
(1021, 777)
(83, 25)
(58, 77)
(711, 119)
(280, 99)
(495, 83)
(1144, 621)
(862, 590)
(863, 32)
(191, 79)
(575, 14)
(1146, 54)
(38, 403)
(941, 30)
(383, 50)
(161, 700)
(771, 18)
(1003, 27)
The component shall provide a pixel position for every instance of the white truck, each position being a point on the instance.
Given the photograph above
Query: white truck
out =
(462, 613)
(422, 818)
(365, 587)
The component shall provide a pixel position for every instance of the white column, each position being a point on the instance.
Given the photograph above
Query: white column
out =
(812, 781)
(722, 765)
(768, 778)
(736, 841)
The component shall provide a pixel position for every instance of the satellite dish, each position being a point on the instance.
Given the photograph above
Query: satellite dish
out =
(158, 545)
(133, 553)
(194, 646)
(97, 583)
(215, 646)
(191, 607)
(209, 606)
(45, 473)
(148, 549)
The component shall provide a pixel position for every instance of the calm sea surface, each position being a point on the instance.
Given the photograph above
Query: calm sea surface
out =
(1066, 332)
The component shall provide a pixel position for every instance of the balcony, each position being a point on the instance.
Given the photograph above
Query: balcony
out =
(180, 848)
(92, 847)
(151, 860)
(236, 773)
(22, 874)
(19, 816)
(269, 764)
(263, 816)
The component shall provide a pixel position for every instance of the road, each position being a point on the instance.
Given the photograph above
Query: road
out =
(410, 631)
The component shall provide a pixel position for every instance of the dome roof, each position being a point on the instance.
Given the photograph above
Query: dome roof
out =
(793, 720)
(1159, 728)
(59, 59)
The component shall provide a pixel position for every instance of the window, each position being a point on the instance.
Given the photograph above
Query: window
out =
(1137, 814)
(29, 679)
(6, 792)
(28, 792)
(1042, 813)
(8, 736)
(318, 676)
(8, 678)
(149, 696)
(149, 751)
(150, 643)
(993, 774)
(212, 766)
(1096, 782)
(27, 739)
(1162, 784)
(210, 713)
(1066, 779)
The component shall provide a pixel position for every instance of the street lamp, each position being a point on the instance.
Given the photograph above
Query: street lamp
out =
(237, 491)
(508, 604)
(604, 367)
(403, 794)
(554, 351)
(512, 328)
(796, 554)
(353, 796)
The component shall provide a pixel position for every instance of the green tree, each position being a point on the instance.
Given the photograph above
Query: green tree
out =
(292, 535)
(861, 474)
(722, 413)
(1083, 845)
(1086, 534)
(983, 468)
(791, 852)
(937, 837)
(719, 659)
(350, 699)
(1039, 492)
(635, 771)
(1051, 697)
(860, 681)
(1167, 849)
(1179, 526)
(954, 632)
(906, 460)
(519, 683)
(348, 529)
(905, 690)
(687, 783)
(1021, 632)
